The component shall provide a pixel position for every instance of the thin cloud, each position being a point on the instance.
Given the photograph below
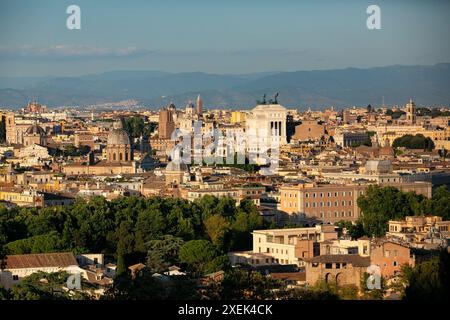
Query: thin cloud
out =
(66, 52)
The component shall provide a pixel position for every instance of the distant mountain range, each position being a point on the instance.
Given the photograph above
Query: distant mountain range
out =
(428, 85)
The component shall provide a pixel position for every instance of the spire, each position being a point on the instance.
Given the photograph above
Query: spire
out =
(199, 105)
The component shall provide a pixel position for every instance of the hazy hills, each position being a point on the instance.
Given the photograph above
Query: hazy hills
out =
(428, 85)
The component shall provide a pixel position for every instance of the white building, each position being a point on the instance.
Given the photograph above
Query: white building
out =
(267, 123)
(24, 265)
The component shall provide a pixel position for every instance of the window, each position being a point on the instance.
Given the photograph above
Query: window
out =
(338, 265)
(15, 277)
(328, 266)
(394, 263)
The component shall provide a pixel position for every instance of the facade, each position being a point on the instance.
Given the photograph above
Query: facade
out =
(341, 269)
(390, 257)
(290, 246)
(349, 139)
(331, 203)
(20, 266)
(84, 138)
(419, 228)
(267, 123)
(327, 203)
(238, 193)
(309, 130)
(238, 117)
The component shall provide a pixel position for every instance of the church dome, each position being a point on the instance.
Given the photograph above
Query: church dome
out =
(118, 137)
(35, 130)
(176, 166)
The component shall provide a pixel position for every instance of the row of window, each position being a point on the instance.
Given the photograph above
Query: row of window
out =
(336, 214)
(273, 260)
(328, 204)
(322, 194)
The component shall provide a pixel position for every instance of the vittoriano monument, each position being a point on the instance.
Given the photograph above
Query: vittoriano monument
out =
(271, 101)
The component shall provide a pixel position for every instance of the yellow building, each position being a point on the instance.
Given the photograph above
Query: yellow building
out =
(21, 198)
(238, 117)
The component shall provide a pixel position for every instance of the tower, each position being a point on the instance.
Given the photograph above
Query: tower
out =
(199, 105)
(411, 112)
(166, 125)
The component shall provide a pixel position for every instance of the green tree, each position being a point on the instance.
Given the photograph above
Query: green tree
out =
(43, 286)
(38, 244)
(198, 255)
(217, 228)
(150, 225)
(427, 281)
(417, 141)
(440, 202)
(163, 253)
(381, 204)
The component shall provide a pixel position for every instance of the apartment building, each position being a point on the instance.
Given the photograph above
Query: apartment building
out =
(418, 228)
(284, 246)
(327, 203)
(331, 203)
(238, 193)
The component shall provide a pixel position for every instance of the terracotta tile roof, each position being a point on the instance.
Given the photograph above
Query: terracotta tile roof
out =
(41, 260)
(293, 276)
(354, 259)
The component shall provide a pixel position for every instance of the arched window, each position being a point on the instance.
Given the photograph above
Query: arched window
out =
(120, 156)
(114, 156)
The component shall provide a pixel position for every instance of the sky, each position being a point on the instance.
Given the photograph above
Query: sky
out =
(226, 36)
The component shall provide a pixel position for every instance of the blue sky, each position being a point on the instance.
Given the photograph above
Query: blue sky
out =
(226, 36)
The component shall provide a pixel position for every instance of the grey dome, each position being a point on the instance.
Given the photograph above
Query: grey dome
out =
(35, 130)
(118, 137)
